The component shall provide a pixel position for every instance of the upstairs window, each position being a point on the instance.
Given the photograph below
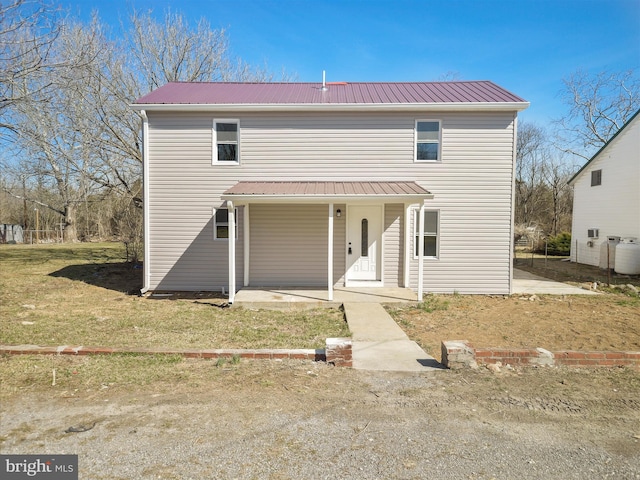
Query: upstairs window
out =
(430, 233)
(226, 141)
(427, 137)
(596, 178)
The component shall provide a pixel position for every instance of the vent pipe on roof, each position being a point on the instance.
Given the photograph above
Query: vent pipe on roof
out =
(324, 83)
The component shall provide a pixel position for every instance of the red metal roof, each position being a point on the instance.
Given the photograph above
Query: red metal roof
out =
(327, 189)
(336, 93)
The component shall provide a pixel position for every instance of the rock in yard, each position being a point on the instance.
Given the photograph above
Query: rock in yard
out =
(494, 367)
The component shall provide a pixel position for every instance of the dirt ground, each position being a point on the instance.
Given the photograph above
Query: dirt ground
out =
(606, 322)
(285, 420)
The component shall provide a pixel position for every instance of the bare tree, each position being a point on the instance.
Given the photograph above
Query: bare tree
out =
(172, 51)
(556, 172)
(55, 142)
(529, 152)
(73, 132)
(599, 105)
(28, 30)
(543, 200)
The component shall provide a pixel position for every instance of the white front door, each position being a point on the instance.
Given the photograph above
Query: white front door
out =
(364, 242)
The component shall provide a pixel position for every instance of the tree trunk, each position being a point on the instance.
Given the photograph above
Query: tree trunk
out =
(70, 231)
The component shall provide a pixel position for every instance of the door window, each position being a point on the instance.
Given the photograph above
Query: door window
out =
(364, 240)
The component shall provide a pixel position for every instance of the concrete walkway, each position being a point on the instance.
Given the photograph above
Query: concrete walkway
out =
(380, 344)
(528, 283)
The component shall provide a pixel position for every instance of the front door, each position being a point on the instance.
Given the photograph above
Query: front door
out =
(364, 242)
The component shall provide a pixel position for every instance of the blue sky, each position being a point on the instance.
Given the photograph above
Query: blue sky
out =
(526, 46)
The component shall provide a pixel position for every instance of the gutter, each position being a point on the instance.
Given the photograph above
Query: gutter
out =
(338, 107)
(301, 198)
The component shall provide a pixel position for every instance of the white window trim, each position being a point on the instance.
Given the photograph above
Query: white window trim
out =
(415, 140)
(215, 230)
(214, 139)
(416, 219)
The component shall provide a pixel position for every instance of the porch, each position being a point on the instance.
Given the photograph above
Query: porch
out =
(298, 242)
(310, 298)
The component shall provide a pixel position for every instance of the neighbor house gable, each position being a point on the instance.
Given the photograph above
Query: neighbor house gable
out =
(613, 139)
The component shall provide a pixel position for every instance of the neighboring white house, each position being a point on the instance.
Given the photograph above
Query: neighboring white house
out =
(606, 197)
(322, 185)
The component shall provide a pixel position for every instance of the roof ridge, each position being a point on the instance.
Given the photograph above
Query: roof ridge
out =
(335, 82)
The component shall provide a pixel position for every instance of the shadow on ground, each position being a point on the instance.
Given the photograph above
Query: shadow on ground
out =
(121, 276)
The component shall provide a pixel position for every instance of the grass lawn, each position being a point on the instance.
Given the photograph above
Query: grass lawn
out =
(77, 295)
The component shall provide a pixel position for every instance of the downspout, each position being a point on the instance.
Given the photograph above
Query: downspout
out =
(513, 200)
(232, 251)
(146, 281)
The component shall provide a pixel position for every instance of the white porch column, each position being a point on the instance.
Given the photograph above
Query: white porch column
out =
(421, 252)
(232, 251)
(247, 239)
(407, 246)
(330, 254)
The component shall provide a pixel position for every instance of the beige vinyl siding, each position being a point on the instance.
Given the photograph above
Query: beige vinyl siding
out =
(472, 191)
(183, 254)
(472, 188)
(289, 245)
(393, 245)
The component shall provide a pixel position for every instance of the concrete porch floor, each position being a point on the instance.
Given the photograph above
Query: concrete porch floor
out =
(523, 283)
(310, 298)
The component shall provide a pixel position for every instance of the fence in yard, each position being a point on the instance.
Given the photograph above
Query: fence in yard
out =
(43, 236)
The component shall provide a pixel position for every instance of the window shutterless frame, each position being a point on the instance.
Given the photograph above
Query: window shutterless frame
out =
(427, 141)
(596, 177)
(221, 223)
(226, 141)
(431, 233)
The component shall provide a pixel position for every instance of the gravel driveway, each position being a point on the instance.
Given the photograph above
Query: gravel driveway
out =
(295, 420)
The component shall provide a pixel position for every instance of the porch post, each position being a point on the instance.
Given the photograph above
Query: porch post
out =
(407, 245)
(232, 251)
(247, 242)
(330, 254)
(421, 252)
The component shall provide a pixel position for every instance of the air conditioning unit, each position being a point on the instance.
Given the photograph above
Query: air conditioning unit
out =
(593, 232)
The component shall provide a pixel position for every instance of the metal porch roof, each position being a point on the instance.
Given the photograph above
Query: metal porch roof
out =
(330, 191)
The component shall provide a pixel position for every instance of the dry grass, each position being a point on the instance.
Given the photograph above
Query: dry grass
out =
(610, 322)
(77, 295)
(607, 322)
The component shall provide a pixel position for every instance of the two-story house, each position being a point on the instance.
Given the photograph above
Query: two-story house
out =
(325, 185)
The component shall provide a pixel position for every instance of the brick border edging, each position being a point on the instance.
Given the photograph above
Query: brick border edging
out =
(317, 355)
(338, 352)
(457, 354)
